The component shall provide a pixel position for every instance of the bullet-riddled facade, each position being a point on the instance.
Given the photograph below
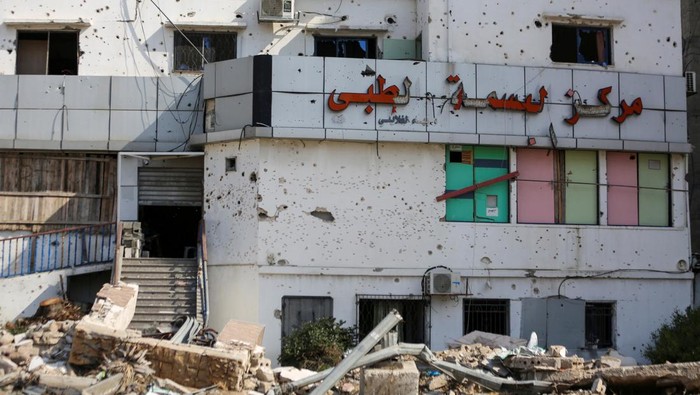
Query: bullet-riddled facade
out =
(494, 167)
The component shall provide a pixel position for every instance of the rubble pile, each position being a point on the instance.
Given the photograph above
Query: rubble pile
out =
(99, 355)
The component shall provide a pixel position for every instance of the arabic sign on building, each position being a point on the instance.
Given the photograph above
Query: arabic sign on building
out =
(389, 95)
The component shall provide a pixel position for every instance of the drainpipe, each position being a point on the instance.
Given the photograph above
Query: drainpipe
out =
(387, 324)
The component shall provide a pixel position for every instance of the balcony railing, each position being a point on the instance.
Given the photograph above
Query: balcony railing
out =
(54, 250)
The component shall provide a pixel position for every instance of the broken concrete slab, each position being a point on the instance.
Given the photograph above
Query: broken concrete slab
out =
(488, 339)
(645, 376)
(7, 365)
(107, 386)
(242, 333)
(114, 306)
(400, 377)
(66, 382)
(287, 374)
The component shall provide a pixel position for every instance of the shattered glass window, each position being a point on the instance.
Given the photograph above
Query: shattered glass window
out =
(215, 47)
(346, 47)
(575, 44)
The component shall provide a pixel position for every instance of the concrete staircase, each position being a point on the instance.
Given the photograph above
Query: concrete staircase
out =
(167, 289)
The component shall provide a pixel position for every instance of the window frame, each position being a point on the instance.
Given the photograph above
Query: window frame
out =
(560, 51)
(306, 298)
(75, 69)
(486, 303)
(596, 309)
(481, 162)
(372, 45)
(179, 41)
(426, 313)
(562, 186)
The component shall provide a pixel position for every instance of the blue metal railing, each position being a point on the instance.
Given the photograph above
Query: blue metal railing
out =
(59, 249)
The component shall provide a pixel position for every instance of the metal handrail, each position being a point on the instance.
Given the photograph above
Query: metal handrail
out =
(202, 274)
(57, 249)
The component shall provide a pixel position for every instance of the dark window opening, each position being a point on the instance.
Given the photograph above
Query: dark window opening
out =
(415, 310)
(170, 231)
(599, 324)
(487, 315)
(215, 47)
(298, 310)
(53, 53)
(572, 44)
(346, 47)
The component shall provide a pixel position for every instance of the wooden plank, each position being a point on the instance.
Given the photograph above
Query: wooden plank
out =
(470, 188)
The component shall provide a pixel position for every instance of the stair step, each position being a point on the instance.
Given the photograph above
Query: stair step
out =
(167, 303)
(161, 282)
(184, 310)
(158, 262)
(158, 269)
(158, 276)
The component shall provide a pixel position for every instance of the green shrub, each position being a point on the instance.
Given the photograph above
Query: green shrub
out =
(677, 341)
(317, 345)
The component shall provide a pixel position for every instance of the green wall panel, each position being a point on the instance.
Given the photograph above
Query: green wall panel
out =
(399, 49)
(581, 200)
(653, 203)
(459, 174)
(491, 201)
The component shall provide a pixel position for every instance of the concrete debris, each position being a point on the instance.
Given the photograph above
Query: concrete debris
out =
(99, 355)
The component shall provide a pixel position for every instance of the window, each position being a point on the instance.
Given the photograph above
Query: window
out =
(346, 47)
(415, 310)
(599, 324)
(467, 165)
(576, 44)
(52, 52)
(487, 315)
(298, 310)
(557, 186)
(638, 189)
(573, 323)
(215, 47)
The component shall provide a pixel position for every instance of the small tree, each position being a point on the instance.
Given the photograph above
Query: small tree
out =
(317, 345)
(677, 341)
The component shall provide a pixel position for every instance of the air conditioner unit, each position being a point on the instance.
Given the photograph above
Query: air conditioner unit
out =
(691, 86)
(276, 10)
(446, 283)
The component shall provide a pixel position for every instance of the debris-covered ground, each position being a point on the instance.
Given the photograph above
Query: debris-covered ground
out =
(59, 351)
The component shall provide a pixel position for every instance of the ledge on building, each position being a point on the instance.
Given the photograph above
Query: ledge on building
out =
(47, 24)
(587, 20)
(207, 25)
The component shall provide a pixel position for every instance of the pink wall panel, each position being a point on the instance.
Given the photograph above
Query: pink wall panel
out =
(535, 189)
(622, 189)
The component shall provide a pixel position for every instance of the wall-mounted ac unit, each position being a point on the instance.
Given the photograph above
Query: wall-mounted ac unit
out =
(276, 10)
(691, 86)
(446, 283)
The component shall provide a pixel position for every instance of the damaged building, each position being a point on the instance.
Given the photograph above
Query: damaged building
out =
(496, 167)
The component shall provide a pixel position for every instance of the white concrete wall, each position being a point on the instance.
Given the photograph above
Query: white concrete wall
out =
(648, 40)
(21, 295)
(134, 36)
(387, 230)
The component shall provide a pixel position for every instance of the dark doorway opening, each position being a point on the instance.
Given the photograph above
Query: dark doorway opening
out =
(170, 231)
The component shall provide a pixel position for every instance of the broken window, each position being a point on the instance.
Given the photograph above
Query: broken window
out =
(346, 47)
(599, 324)
(298, 310)
(557, 187)
(215, 47)
(47, 52)
(415, 310)
(638, 189)
(578, 44)
(487, 315)
(466, 165)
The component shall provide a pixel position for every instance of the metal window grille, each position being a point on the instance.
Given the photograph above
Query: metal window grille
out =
(298, 310)
(415, 310)
(599, 324)
(214, 46)
(487, 315)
